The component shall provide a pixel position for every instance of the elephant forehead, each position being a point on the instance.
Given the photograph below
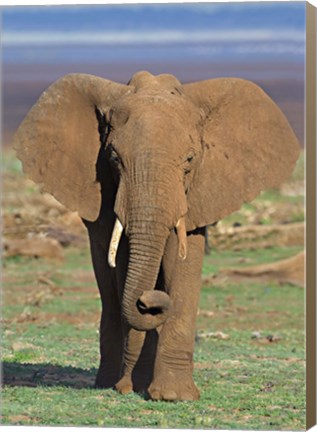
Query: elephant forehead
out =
(154, 136)
(156, 120)
(161, 123)
(152, 104)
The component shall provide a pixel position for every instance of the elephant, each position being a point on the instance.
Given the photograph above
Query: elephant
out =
(148, 165)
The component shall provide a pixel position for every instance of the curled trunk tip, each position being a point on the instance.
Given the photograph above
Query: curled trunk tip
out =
(154, 302)
(152, 309)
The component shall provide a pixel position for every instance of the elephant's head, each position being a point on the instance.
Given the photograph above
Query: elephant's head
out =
(177, 157)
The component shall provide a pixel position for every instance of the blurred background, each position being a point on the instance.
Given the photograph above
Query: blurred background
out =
(264, 42)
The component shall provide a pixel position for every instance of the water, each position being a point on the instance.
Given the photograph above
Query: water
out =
(255, 32)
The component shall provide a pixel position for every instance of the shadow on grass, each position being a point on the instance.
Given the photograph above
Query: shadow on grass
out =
(33, 375)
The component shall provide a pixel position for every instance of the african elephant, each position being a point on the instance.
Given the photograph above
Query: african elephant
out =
(147, 166)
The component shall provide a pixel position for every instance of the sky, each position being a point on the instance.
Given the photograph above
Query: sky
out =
(162, 32)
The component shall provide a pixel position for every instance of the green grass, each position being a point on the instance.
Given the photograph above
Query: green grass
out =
(50, 355)
(50, 341)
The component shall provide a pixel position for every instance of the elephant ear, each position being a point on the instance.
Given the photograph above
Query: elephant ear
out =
(248, 146)
(58, 142)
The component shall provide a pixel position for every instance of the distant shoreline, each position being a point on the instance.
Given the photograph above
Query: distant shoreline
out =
(23, 83)
(186, 69)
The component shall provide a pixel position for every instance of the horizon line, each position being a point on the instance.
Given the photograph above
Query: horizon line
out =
(39, 38)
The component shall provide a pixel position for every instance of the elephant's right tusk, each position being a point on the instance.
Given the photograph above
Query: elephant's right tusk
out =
(182, 238)
(114, 243)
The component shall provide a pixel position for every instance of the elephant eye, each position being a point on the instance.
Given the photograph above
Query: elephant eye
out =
(114, 157)
(187, 164)
(190, 158)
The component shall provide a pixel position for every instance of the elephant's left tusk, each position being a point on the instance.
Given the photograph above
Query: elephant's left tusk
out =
(182, 238)
(114, 243)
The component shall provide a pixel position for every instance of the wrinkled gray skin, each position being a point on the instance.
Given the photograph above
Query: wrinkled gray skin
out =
(165, 160)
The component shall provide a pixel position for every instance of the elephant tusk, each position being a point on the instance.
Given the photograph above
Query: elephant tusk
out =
(114, 243)
(182, 238)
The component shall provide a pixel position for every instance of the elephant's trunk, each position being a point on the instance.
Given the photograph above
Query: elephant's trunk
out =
(149, 204)
(143, 307)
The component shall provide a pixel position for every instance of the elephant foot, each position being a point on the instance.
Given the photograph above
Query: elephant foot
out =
(137, 384)
(106, 379)
(125, 385)
(104, 383)
(173, 387)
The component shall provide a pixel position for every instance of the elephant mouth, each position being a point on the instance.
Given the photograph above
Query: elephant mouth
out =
(118, 230)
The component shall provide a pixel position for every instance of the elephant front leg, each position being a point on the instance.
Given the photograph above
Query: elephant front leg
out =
(111, 334)
(138, 361)
(173, 372)
(132, 349)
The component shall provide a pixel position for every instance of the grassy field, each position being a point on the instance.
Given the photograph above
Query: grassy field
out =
(249, 354)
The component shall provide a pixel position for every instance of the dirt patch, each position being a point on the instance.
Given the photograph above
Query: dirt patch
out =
(64, 236)
(87, 278)
(44, 319)
(34, 221)
(290, 360)
(42, 290)
(78, 320)
(34, 247)
(257, 236)
(20, 419)
(202, 365)
(289, 271)
(213, 335)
